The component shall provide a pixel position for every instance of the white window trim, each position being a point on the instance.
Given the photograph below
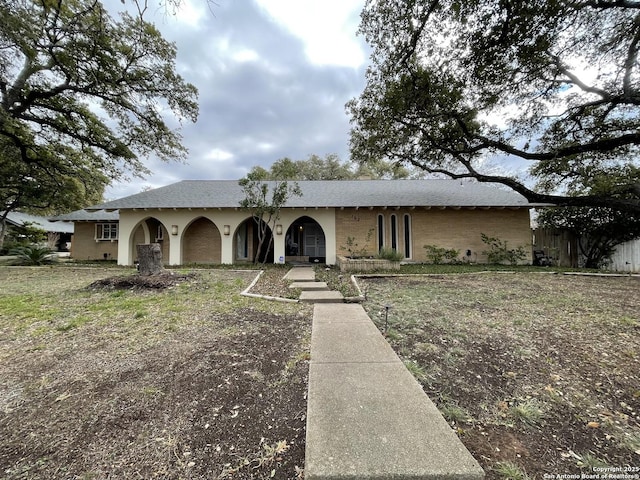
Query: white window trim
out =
(407, 236)
(395, 237)
(110, 227)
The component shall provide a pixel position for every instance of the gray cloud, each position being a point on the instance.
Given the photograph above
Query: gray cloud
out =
(260, 97)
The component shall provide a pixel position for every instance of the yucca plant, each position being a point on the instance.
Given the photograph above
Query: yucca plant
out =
(33, 255)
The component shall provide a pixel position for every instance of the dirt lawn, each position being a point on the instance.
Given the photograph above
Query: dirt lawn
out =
(180, 380)
(538, 373)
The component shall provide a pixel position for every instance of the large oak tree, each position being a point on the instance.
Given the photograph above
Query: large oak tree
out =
(84, 98)
(554, 83)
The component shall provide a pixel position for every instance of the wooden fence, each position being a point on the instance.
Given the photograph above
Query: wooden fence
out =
(559, 245)
(626, 257)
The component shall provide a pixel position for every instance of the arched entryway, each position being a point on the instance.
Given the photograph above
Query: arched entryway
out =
(246, 241)
(201, 242)
(305, 241)
(150, 230)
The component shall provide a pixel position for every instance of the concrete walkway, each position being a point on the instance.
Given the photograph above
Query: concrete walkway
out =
(312, 291)
(367, 417)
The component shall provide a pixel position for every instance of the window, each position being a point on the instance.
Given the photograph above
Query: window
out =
(380, 231)
(106, 231)
(242, 242)
(160, 233)
(407, 236)
(394, 232)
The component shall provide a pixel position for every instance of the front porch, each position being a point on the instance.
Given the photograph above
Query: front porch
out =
(227, 236)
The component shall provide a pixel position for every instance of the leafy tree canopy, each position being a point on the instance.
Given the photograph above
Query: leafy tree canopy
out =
(598, 230)
(83, 97)
(265, 199)
(552, 82)
(329, 168)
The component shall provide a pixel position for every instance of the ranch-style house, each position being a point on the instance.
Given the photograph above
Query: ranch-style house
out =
(201, 221)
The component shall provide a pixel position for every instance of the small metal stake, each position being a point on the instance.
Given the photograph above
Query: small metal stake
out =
(387, 307)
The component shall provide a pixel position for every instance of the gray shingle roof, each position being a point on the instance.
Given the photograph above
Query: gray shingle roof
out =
(85, 216)
(19, 219)
(325, 193)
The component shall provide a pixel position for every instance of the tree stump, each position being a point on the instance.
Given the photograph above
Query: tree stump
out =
(149, 258)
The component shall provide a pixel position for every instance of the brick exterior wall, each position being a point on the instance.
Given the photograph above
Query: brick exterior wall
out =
(447, 228)
(201, 243)
(85, 247)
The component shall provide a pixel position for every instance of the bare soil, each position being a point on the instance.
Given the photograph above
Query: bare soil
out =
(537, 373)
(108, 375)
(105, 375)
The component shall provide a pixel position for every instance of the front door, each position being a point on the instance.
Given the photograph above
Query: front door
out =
(314, 241)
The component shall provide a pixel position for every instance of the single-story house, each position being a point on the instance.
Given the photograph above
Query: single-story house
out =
(201, 221)
(17, 222)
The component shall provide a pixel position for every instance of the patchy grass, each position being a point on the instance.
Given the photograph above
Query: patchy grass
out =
(537, 372)
(190, 381)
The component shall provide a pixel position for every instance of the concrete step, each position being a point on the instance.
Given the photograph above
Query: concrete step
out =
(367, 417)
(321, 297)
(310, 286)
(301, 274)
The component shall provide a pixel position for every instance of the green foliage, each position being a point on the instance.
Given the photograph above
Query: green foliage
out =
(388, 253)
(416, 370)
(33, 255)
(507, 80)
(455, 414)
(265, 199)
(23, 236)
(330, 168)
(598, 230)
(500, 253)
(589, 461)
(510, 471)
(528, 412)
(83, 96)
(437, 255)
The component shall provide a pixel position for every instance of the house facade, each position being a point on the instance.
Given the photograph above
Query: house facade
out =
(202, 222)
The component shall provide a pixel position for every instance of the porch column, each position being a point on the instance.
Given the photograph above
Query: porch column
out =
(279, 246)
(126, 227)
(226, 256)
(175, 246)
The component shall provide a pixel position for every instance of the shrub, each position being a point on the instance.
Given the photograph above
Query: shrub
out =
(436, 254)
(33, 255)
(390, 254)
(499, 252)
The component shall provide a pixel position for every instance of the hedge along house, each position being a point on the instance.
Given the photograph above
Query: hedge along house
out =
(201, 221)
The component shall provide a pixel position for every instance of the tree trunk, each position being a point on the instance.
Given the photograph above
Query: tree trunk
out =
(149, 258)
(3, 231)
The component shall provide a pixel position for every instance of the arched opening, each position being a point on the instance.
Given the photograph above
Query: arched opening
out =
(246, 241)
(305, 241)
(201, 242)
(150, 230)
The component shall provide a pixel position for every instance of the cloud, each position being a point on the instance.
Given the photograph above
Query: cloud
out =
(326, 28)
(268, 88)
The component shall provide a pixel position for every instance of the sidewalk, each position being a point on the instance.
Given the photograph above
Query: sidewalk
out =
(367, 417)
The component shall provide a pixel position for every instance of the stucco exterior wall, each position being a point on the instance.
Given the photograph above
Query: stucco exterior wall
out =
(85, 247)
(447, 228)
